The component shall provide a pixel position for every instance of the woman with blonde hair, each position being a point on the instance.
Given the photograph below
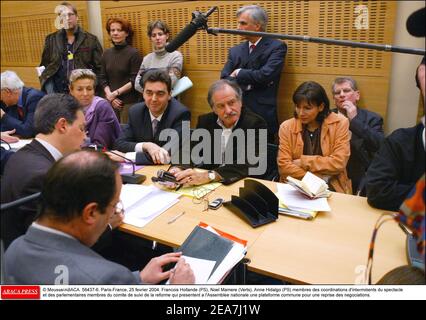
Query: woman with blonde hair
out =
(101, 122)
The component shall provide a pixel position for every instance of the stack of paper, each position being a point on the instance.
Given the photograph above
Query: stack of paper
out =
(293, 203)
(17, 145)
(142, 204)
(212, 253)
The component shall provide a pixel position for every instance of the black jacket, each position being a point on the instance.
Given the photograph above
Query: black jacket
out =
(395, 169)
(139, 128)
(232, 172)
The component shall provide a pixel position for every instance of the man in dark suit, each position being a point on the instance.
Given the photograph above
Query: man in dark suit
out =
(141, 137)
(59, 124)
(366, 130)
(230, 159)
(256, 65)
(18, 104)
(56, 247)
(400, 161)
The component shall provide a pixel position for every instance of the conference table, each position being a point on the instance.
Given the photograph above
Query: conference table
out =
(330, 249)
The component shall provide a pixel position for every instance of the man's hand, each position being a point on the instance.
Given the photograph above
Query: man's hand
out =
(158, 154)
(351, 110)
(192, 177)
(182, 273)
(116, 220)
(7, 136)
(153, 271)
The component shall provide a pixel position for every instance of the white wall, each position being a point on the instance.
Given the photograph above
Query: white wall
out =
(403, 93)
(95, 19)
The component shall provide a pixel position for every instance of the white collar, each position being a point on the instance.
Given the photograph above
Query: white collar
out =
(256, 43)
(56, 154)
(220, 123)
(51, 230)
(153, 117)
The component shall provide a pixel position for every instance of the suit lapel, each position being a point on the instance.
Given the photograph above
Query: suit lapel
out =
(261, 46)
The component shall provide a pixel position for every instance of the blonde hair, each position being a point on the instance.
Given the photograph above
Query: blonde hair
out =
(79, 74)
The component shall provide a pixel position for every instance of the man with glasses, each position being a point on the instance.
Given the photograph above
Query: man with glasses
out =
(56, 247)
(366, 129)
(67, 49)
(60, 129)
(18, 104)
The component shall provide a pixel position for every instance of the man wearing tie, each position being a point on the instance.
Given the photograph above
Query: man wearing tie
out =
(18, 104)
(256, 65)
(140, 139)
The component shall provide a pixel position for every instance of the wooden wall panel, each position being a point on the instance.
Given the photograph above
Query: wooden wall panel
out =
(204, 55)
(24, 26)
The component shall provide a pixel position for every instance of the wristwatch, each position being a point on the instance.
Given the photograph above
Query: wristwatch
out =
(211, 175)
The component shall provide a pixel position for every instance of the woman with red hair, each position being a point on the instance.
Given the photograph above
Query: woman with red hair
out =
(120, 64)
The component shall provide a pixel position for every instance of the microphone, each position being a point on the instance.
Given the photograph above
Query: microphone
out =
(131, 178)
(199, 21)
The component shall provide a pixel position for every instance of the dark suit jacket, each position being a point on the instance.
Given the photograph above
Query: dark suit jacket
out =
(35, 257)
(139, 128)
(367, 137)
(24, 173)
(395, 169)
(261, 70)
(231, 172)
(11, 120)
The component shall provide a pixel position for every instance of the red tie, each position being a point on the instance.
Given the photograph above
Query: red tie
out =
(20, 113)
(252, 47)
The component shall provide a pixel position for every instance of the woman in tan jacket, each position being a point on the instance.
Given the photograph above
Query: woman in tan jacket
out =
(315, 140)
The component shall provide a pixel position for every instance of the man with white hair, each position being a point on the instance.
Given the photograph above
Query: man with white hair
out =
(18, 104)
(256, 66)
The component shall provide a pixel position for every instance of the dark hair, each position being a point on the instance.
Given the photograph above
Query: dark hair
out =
(219, 84)
(154, 75)
(69, 5)
(125, 25)
(314, 94)
(51, 108)
(75, 181)
(403, 275)
(159, 25)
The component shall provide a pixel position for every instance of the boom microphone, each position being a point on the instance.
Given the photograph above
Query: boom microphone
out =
(199, 21)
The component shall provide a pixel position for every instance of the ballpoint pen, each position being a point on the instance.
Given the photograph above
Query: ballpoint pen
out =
(175, 218)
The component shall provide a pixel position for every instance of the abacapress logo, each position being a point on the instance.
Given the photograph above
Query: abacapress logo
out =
(20, 292)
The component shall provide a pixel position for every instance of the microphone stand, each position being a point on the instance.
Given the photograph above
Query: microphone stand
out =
(347, 43)
(132, 178)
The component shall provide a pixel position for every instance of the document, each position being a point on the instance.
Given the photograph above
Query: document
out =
(142, 204)
(198, 191)
(181, 85)
(295, 200)
(207, 244)
(311, 186)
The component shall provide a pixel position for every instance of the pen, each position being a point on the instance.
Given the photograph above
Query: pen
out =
(175, 218)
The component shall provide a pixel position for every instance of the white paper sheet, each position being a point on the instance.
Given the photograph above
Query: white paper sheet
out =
(293, 199)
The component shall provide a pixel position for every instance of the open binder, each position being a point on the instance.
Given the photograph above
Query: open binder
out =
(256, 204)
(211, 253)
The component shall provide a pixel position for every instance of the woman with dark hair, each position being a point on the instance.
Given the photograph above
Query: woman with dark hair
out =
(315, 140)
(172, 62)
(120, 64)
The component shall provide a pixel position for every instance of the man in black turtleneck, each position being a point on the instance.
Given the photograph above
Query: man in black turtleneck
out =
(67, 49)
